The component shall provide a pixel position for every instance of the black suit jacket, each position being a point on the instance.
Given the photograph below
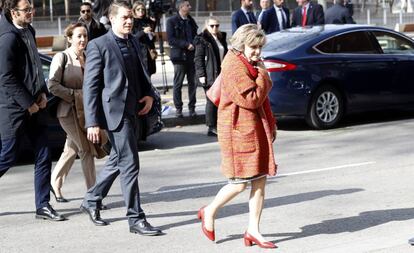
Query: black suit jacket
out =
(96, 29)
(238, 19)
(315, 15)
(18, 86)
(338, 14)
(176, 35)
(105, 84)
(270, 23)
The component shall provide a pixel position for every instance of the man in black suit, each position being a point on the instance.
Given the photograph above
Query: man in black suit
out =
(181, 31)
(307, 14)
(338, 13)
(264, 5)
(243, 16)
(95, 29)
(23, 100)
(276, 18)
(116, 90)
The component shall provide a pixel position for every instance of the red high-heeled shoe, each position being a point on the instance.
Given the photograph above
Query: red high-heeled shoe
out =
(210, 234)
(249, 240)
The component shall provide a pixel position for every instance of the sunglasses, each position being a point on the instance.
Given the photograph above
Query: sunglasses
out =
(85, 11)
(212, 26)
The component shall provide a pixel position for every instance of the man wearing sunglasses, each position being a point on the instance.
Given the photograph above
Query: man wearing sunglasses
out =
(95, 28)
(23, 100)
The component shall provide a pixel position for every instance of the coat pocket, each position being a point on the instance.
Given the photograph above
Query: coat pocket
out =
(244, 142)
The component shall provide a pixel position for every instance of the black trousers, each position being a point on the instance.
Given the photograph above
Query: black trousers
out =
(180, 71)
(211, 112)
(37, 135)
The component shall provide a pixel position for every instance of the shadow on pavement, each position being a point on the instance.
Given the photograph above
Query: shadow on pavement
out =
(174, 139)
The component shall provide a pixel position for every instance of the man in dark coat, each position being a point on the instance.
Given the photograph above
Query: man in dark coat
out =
(307, 14)
(243, 16)
(95, 29)
(23, 100)
(338, 13)
(181, 30)
(116, 90)
(276, 18)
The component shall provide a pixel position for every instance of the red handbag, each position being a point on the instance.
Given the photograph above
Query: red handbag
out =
(214, 92)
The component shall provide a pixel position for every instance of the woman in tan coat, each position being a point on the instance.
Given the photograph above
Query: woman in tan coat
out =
(65, 82)
(246, 130)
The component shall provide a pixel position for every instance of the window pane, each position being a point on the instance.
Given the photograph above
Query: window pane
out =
(394, 44)
(354, 43)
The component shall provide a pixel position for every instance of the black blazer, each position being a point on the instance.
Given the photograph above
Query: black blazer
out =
(207, 56)
(96, 29)
(238, 19)
(315, 15)
(18, 86)
(338, 14)
(105, 83)
(176, 35)
(270, 23)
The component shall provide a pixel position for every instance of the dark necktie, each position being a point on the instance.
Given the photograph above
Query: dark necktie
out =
(283, 25)
(252, 18)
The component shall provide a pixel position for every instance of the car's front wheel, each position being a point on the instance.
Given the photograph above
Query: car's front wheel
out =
(326, 108)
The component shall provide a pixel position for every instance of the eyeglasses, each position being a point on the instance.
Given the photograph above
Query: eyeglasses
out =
(28, 9)
(212, 26)
(85, 11)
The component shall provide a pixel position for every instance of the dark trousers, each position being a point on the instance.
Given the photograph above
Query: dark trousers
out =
(211, 112)
(38, 137)
(180, 70)
(123, 161)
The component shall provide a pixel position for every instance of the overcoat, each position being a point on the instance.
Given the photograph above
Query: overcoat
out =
(245, 121)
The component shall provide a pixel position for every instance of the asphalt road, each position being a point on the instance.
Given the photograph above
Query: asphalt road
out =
(344, 190)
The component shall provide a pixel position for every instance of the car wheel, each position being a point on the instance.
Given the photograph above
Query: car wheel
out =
(326, 108)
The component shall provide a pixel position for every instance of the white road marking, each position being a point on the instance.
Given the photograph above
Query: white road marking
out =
(269, 179)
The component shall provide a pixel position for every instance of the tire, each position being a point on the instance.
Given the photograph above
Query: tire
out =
(326, 108)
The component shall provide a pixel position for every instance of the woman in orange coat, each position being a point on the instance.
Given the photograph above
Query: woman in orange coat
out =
(246, 131)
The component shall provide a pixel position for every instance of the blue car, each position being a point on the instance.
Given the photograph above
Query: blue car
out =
(322, 73)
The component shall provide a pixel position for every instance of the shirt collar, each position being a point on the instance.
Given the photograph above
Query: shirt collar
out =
(306, 5)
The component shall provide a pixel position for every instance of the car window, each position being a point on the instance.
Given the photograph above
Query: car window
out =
(350, 43)
(393, 44)
(45, 68)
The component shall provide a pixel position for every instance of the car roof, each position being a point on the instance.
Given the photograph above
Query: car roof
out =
(295, 38)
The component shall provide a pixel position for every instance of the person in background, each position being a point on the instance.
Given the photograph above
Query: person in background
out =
(276, 19)
(23, 100)
(264, 5)
(143, 31)
(243, 16)
(65, 82)
(338, 13)
(181, 30)
(307, 14)
(210, 49)
(246, 129)
(95, 29)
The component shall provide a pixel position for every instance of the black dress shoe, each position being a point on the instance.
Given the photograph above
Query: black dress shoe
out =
(94, 216)
(144, 228)
(192, 113)
(48, 213)
(61, 200)
(212, 131)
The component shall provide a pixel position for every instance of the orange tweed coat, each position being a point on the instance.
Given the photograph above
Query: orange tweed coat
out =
(245, 122)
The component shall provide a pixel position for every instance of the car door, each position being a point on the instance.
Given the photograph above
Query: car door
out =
(368, 74)
(401, 91)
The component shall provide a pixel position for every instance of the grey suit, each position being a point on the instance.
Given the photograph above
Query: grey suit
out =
(106, 86)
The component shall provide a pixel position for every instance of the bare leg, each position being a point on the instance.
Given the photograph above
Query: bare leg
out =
(255, 207)
(226, 193)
